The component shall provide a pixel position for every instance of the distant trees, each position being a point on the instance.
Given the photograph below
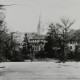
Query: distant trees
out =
(13, 47)
(26, 47)
(3, 36)
(56, 46)
(58, 38)
(7, 44)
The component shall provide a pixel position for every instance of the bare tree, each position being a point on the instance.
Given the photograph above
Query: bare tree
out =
(58, 34)
(63, 31)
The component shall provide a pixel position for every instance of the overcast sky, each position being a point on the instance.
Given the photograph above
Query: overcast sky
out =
(24, 16)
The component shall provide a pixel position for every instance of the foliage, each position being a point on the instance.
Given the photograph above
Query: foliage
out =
(3, 36)
(58, 38)
(26, 47)
(11, 46)
(17, 56)
(77, 53)
(40, 54)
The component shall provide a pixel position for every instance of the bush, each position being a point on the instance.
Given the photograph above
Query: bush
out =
(17, 56)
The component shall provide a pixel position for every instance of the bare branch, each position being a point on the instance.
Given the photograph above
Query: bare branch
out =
(70, 24)
(65, 22)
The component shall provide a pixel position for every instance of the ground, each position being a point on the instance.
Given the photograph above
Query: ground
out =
(39, 71)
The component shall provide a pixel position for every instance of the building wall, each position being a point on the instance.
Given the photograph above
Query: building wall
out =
(33, 38)
(72, 45)
(36, 45)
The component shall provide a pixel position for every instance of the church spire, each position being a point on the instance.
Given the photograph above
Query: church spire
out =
(39, 25)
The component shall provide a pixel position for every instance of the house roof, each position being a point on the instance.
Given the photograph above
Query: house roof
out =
(75, 35)
(37, 37)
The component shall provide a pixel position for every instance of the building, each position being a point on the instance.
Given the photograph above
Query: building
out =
(18, 37)
(37, 42)
(74, 40)
(36, 39)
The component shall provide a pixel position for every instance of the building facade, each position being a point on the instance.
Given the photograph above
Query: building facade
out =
(37, 42)
(74, 40)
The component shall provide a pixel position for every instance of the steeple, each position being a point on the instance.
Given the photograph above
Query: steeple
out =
(39, 25)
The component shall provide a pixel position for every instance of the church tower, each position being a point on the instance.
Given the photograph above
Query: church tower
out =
(39, 26)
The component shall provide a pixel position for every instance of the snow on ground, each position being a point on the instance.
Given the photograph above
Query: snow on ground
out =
(40, 71)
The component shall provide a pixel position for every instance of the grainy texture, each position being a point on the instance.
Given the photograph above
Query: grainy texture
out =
(40, 71)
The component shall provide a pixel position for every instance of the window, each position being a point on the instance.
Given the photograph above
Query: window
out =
(70, 47)
(70, 42)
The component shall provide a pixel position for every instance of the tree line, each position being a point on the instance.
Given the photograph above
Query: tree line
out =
(56, 45)
(58, 39)
(57, 42)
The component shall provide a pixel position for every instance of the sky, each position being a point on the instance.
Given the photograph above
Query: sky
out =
(24, 16)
